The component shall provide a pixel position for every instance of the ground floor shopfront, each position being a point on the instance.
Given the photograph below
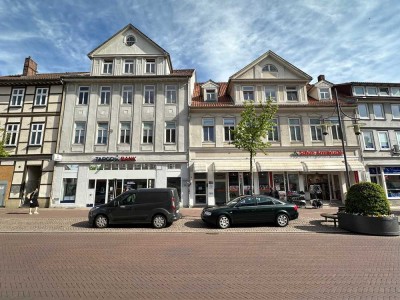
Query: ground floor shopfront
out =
(387, 176)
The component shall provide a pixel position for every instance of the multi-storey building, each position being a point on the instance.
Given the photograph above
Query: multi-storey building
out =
(378, 114)
(301, 158)
(124, 123)
(30, 107)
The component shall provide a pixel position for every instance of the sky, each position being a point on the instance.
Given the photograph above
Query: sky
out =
(346, 40)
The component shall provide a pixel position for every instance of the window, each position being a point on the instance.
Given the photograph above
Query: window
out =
(105, 95)
(269, 68)
(378, 111)
(383, 91)
(398, 137)
(102, 133)
(336, 133)
(396, 111)
(127, 94)
(147, 133)
(383, 140)
(273, 135)
(41, 96)
(208, 130)
(295, 131)
(211, 95)
(170, 132)
(248, 93)
(372, 91)
(316, 130)
(11, 134)
(324, 94)
(150, 66)
(36, 134)
(170, 94)
(270, 93)
(130, 40)
(83, 97)
(125, 133)
(149, 94)
(129, 66)
(368, 140)
(363, 111)
(358, 91)
(107, 67)
(17, 97)
(291, 93)
(229, 125)
(395, 91)
(80, 128)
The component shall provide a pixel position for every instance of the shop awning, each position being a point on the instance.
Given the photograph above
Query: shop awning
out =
(233, 166)
(199, 167)
(273, 165)
(333, 165)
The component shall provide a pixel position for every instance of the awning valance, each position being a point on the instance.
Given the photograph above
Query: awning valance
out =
(199, 167)
(233, 166)
(294, 166)
(332, 165)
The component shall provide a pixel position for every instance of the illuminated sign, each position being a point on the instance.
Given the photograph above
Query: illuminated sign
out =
(115, 158)
(319, 153)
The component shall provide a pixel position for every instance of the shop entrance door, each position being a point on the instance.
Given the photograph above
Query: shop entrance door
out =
(101, 188)
(3, 188)
(201, 192)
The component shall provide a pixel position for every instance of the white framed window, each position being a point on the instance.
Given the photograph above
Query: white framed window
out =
(211, 95)
(127, 94)
(358, 91)
(36, 135)
(41, 96)
(170, 94)
(149, 93)
(80, 133)
(295, 130)
(336, 134)
(316, 130)
(372, 91)
(378, 111)
(248, 93)
(324, 94)
(383, 140)
(273, 135)
(170, 132)
(83, 97)
(269, 68)
(147, 132)
(11, 137)
(229, 125)
(107, 67)
(125, 133)
(363, 112)
(208, 130)
(105, 95)
(398, 137)
(102, 133)
(129, 66)
(270, 93)
(395, 91)
(368, 138)
(395, 111)
(291, 93)
(17, 97)
(150, 66)
(384, 91)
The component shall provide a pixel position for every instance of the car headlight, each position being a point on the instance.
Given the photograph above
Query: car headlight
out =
(207, 213)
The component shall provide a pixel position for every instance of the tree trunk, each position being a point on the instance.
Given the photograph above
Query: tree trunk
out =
(251, 175)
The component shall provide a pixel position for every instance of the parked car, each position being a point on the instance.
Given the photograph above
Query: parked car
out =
(158, 206)
(251, 209)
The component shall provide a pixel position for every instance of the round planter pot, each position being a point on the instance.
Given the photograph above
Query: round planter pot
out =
(369, 225)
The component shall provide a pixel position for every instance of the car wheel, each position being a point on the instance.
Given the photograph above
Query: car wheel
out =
(223, 222)
(282, 220)
(159, 221)
(101, 221)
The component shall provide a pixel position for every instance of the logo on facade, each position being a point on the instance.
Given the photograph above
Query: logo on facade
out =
(115, 158)
(318, 153)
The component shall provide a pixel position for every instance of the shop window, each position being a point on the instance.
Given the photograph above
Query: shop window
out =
(69, 190)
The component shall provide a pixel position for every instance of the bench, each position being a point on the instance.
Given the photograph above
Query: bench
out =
(327, 216)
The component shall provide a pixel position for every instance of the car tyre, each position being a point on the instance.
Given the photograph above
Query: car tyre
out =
(223, 222)
(282, 220)
(101, 221)
(159, 221)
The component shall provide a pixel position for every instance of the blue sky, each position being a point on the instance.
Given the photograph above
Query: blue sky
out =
(346, 40)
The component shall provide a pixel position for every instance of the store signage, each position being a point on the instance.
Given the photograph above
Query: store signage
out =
(319, 153)
(391, 170)
(115, 158)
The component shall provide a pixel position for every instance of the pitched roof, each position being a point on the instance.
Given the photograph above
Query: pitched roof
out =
(223, 98)
(44, 78)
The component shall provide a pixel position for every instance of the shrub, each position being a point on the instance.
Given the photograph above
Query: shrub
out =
(368, 199)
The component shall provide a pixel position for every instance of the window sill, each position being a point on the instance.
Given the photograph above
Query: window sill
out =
(39, 105)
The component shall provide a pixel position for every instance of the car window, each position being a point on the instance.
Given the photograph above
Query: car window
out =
(261, 200)
(247, 201)
(129, 200)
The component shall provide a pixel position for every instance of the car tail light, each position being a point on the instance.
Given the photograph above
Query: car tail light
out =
(296, 207)
(173, 204)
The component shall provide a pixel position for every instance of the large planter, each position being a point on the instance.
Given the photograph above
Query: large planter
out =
(369, 225)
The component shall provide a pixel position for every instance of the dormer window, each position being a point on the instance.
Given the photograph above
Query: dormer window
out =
(372, 91)
(395, 92)
(384, 91)
(270, 93)
(128, 66)
(150, 66)
(107, 67)
(291, 93)
(324, 94)
(248, 93)
(269, 68)
(211, 95)
(358, 91)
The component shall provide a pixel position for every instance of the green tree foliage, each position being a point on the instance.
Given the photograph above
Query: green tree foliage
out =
(3, 152)
(251, 132)
(368, 199)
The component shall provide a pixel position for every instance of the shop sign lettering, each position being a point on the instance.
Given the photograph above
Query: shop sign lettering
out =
(114, 158)
(318, 153)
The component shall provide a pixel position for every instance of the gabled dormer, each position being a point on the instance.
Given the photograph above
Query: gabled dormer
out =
(209, 91)
(130, 52)
(321, 90)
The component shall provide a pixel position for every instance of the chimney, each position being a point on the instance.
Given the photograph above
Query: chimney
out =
(30, 67)
(321, 77)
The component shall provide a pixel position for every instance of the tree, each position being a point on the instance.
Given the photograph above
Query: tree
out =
(3, 152)
(251, 132)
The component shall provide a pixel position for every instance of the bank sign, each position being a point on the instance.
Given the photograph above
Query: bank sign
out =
(113, 158)
(318, 153)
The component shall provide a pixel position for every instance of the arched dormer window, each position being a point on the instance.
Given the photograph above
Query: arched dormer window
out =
(269, 68)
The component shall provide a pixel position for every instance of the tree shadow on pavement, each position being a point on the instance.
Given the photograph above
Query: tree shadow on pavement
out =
(318, 227)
